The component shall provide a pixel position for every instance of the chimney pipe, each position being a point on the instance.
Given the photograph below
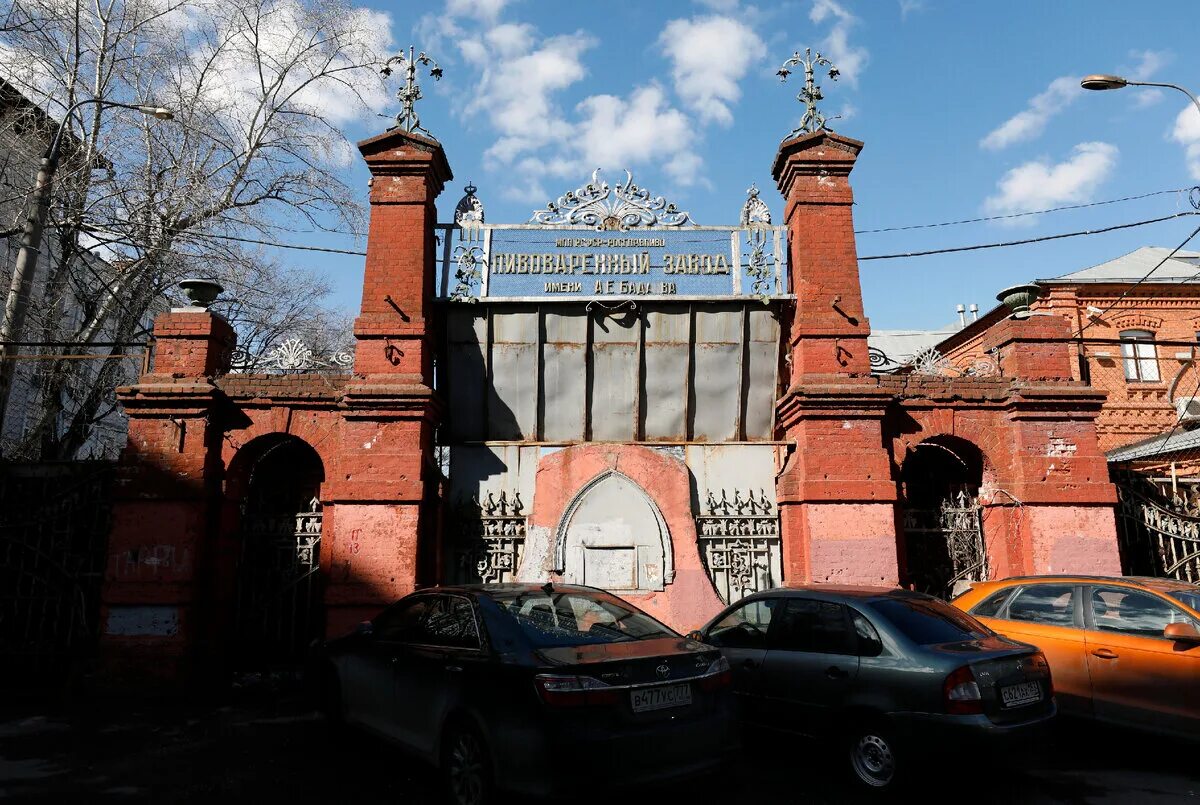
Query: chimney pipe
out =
(962, 315)
(974, 312)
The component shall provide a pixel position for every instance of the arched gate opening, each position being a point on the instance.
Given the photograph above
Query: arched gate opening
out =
(942, 524)
(278, 601)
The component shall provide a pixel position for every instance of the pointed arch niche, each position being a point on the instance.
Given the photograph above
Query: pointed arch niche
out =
(613, 536)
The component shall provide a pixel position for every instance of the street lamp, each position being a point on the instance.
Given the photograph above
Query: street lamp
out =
(17, 302)
(1103, 82)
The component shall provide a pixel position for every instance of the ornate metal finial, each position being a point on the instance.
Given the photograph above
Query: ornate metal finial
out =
(755, 211)
(410, 93)
(469, 211)
(813, 120)
(621, 207)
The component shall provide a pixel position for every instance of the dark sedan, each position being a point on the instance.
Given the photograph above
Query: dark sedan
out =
(533, 689)
(890, 673)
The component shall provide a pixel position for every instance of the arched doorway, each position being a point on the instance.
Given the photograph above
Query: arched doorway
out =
(613, 537)
(278, 609)
(943, 527)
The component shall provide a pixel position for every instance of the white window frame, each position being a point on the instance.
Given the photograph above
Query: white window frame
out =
(1140, 356)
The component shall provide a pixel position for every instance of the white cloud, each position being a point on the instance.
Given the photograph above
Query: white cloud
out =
(910, 7)
(485, 10)
(1186, 132)
(1029, 123)
(618, 133)
(849, 59)
(1039, 184)
(1149, 62)
(722, 6)
(709, 56)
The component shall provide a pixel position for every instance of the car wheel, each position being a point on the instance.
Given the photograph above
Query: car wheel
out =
(873, 757)
(467, 767)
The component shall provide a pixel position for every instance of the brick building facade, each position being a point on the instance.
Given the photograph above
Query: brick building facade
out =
(680, 450)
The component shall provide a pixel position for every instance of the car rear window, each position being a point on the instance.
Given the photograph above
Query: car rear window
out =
(928, 622)
(574, 618)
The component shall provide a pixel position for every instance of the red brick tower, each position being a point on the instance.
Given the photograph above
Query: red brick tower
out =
(836, 494)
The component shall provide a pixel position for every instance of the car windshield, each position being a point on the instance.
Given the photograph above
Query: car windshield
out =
(1188, 597)
(573, 618)
(928, 622)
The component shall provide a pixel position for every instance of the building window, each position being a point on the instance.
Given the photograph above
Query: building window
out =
(1137, 350)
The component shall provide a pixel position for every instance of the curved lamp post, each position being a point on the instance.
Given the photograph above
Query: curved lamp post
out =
(19, 287)
(1103, 82)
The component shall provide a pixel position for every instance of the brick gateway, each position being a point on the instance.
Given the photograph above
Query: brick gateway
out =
(677, 439)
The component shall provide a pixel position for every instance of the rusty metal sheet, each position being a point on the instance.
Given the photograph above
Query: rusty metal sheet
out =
(614, 392)
(466, 379)
(719, 324)
(564, 390)
(512, 403)
(665, 391)
(466, 324)
(716, 400)
(761, 366)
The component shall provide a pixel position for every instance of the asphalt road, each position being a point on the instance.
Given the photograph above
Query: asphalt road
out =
(246, 755)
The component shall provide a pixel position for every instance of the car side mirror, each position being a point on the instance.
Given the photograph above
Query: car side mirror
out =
(1183, 632)
(365, 629)
(696, 635)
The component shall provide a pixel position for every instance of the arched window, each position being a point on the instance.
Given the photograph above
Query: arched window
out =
(1141, 361)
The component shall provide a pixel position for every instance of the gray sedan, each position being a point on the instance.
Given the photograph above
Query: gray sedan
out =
(882, 670)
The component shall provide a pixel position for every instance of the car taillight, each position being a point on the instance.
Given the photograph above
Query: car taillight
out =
(719, 675)
(961, 693)
(560, 690)
(1040, 662)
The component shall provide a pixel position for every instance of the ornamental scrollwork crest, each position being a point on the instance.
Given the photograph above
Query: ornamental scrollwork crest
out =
(931, 362)
(467, 274)
(469, 212)
(755, 211)
(617, 207)
(810, 93)
(290, 355)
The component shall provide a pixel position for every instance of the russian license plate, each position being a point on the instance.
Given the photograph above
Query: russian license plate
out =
(1024, 693)
(660, 698)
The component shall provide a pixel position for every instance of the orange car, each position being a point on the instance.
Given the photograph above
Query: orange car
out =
(1122, 649)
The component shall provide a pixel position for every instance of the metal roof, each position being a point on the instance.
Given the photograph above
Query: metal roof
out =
(1160, 445)
(1132, 267)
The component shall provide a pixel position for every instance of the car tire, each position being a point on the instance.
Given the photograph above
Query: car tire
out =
(874, 757)
(467, 766)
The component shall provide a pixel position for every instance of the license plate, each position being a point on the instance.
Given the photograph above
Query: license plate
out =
(660, 698)
(1024, 693)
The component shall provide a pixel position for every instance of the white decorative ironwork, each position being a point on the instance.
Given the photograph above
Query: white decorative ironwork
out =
(810, 93)
(1159, 531)
(930, 361)
(739, 543)
(469, 260)
(620, 207)
(490, 538)
(469, 212)
(308, 534)
(950, 538)
(290, 355)
(755, 211)
(758, 268)
(410, 93)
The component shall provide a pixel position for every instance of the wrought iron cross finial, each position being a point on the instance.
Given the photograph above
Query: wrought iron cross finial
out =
(410, 93)
(813, 120)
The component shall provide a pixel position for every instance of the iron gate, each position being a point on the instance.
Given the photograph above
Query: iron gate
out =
(54, 523)
(278, 594)
(945, 545)
(1159, 530)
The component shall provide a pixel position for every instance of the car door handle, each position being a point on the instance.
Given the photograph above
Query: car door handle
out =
(749, 664)
(1105, 654)
(454, 669)
(833, 672)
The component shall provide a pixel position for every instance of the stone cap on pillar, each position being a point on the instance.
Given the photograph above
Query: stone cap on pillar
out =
(400, 153)
(821, 153)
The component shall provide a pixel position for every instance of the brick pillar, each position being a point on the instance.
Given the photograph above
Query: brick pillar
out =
(1034, 348)
(384, 493)
(165, 508)
(836, 493)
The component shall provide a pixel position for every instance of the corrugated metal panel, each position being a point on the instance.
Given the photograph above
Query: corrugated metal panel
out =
(465, 373)
(512, 404)
(564, 375)
(614, 377)
(762, 373)
(716, 374)
(665, 380)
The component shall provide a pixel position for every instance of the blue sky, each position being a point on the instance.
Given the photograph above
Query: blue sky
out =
(967, 109)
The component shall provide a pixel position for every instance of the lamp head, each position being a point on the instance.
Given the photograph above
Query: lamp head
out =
(158, 112)
(1100, 82)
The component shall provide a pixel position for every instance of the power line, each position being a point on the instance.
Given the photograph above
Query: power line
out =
(1025, 214)
(1027, 241)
